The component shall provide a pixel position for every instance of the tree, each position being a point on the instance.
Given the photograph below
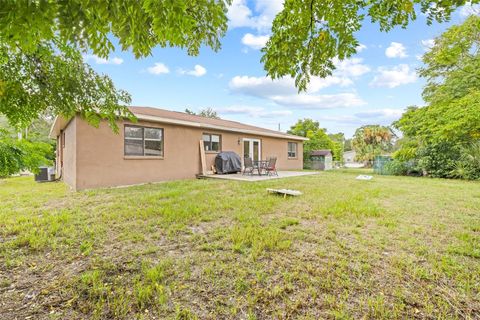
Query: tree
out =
(339, 144)
(347, 145)
(207, 113)
(37, 131)
(438, 135)
(307, 35)
(318, 138)
(45, 80)
(17, 155)
(139, 26)
(42, 36)
(372, 140)
(303, 127)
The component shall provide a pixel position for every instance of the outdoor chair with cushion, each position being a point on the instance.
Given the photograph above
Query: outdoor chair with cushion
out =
(249, 167)
(270, 168)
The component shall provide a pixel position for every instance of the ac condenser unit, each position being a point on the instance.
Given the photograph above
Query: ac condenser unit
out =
(45, 174)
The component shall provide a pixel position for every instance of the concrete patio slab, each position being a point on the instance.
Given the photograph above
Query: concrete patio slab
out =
(256, 177)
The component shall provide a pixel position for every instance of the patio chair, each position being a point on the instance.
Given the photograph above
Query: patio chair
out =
(270, 168)
(248, 165)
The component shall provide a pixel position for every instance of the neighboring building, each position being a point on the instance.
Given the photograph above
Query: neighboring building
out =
(321, 159)
(162, 145)
(349, 156)
(349, 160)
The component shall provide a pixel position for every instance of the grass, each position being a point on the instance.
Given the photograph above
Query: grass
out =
(393, 247)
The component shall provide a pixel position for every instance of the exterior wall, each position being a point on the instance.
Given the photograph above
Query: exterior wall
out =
(349, 156)
(69, 154)
(328, 162)
(100, 159)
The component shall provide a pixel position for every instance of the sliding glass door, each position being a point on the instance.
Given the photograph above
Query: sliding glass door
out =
(252, 148)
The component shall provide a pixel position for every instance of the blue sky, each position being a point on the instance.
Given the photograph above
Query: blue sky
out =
(373, 87)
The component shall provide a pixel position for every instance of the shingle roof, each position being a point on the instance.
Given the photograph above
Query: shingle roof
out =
(162, 115)
(321, 153)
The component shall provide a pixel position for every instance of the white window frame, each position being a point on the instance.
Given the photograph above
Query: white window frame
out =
(143, 139)
(210, 141)
(295, 156)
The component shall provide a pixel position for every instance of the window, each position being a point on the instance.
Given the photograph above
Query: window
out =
(143, 141)
(292, 149)
(211, 142)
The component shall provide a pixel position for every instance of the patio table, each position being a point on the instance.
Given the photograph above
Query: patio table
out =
(260, 165)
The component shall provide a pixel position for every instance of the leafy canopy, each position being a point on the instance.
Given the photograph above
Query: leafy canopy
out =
(440, 135)
(452, 71)
(318, 138)
(138, 25)
(308, 34)
(17, 155)
(54, 79)
(207, 113)
(41, 42)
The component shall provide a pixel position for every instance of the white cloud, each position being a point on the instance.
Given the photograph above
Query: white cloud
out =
(396, 50)
(428, 44)
(351, 67)
(197, 71)
(240, 15)
(283, 92)
(262, 86)
(469, 9)
(98, 60)
(265, 86)
(361, 47)
(256, 112)
(320, 101)
(158, 68)
(380, 114)
(372, 116)
(394, 76)
(254, 42)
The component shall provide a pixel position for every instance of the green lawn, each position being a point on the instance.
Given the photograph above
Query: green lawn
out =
(393, 247)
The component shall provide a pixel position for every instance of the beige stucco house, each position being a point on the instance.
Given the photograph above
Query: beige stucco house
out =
(162, 145)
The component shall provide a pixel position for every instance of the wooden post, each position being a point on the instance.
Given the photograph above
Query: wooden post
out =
(202, 159)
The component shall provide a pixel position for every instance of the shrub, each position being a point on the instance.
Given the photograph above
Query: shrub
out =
(10, 159)
(468, 167)
(402, 168)
(439, 159)
(18, 155)
(395, 168)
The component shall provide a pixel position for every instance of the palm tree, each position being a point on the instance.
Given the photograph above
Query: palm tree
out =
(372, 140)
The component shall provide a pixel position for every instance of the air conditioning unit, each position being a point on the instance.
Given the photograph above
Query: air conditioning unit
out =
(45, 174)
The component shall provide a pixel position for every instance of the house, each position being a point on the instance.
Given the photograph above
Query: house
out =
(350, 162)
(162, 145)
(349, 156)
(321, 159)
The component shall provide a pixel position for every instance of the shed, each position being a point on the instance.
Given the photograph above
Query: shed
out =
(321, 159)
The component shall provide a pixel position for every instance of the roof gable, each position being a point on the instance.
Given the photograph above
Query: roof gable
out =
(321, 153)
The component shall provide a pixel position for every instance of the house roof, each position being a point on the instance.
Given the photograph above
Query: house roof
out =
(185, 119)
(321, 153)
